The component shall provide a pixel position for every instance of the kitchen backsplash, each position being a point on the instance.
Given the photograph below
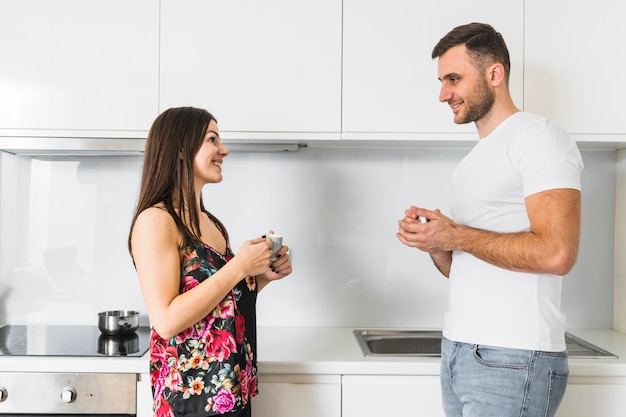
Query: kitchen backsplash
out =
(64, 224)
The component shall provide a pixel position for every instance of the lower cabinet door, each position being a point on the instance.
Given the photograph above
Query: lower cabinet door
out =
(144, 396)
(298, 395)
(375, 396)
(594, 396)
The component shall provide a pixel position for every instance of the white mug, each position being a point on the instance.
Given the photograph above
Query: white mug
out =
(277, 243)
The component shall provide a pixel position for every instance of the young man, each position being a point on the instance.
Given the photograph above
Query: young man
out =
(513, 233)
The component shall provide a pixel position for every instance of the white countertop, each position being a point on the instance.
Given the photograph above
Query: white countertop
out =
(320, 351)
(73, 364)
(324, 350)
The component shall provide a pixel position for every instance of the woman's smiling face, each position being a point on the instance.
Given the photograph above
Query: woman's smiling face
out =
(208, 161)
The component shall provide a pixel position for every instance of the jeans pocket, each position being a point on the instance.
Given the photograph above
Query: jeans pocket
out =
(558, 384)
(496, 357)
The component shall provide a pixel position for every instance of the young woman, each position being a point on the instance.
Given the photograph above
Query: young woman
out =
(200, 297)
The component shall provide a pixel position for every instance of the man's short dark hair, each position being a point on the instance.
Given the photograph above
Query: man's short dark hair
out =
(484, 44)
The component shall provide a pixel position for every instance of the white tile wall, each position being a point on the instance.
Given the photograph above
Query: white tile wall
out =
(64, 225)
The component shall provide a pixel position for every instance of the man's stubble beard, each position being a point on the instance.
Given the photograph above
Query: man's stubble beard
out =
(480, 105)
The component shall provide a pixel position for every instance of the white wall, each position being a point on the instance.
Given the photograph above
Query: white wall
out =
(64, 224)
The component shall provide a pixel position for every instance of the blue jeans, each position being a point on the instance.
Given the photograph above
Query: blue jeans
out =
(487, 381)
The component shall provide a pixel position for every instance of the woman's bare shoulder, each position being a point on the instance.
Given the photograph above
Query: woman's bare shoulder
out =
(156, 222)
(155, 213)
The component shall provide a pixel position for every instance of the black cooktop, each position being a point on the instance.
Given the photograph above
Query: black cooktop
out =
(61, 340)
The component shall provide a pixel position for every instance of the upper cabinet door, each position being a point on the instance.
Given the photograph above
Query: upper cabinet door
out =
(573, 50)
(258, 66)
(389, 79)
(75, 64)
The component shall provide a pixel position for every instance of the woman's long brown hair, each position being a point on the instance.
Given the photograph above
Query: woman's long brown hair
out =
(167, 175)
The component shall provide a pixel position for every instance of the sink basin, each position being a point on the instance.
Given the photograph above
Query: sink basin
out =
(399, 342)
(428, 343)
(581, 349)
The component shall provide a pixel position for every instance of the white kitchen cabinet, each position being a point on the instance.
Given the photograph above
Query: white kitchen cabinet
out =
(298, 395)
(279, 396)
(390, 86)
(378, 395)
(144, 396)
(594, 396)
(270, 67)
(421, 396)
(74, 67)
(572, 49)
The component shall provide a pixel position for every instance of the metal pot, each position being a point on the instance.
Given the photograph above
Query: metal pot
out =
(118, 322)
(118, 345)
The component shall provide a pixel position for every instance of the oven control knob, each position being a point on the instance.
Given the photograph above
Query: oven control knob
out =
(3, 394)
(68, 395)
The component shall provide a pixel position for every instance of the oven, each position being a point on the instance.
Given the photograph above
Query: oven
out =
(59, 394)
(42, 394)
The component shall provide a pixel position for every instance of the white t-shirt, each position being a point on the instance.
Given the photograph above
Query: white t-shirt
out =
(524, 155)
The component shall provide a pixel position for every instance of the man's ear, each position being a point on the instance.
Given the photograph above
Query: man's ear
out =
(496, 74)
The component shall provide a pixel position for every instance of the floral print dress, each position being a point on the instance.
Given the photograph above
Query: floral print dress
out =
(208, 369)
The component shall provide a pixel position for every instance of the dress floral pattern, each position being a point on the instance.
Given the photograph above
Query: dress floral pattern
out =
(208, 369)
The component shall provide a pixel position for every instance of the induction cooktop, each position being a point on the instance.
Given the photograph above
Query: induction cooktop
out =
(70, 340)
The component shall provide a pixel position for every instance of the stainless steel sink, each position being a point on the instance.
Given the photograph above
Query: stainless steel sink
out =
(428, 343)
(399, 342)
(581, 349)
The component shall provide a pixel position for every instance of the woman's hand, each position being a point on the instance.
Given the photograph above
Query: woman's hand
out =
(255, 256)
(277, 269)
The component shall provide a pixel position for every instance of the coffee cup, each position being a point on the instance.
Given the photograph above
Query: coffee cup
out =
(277, 243)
